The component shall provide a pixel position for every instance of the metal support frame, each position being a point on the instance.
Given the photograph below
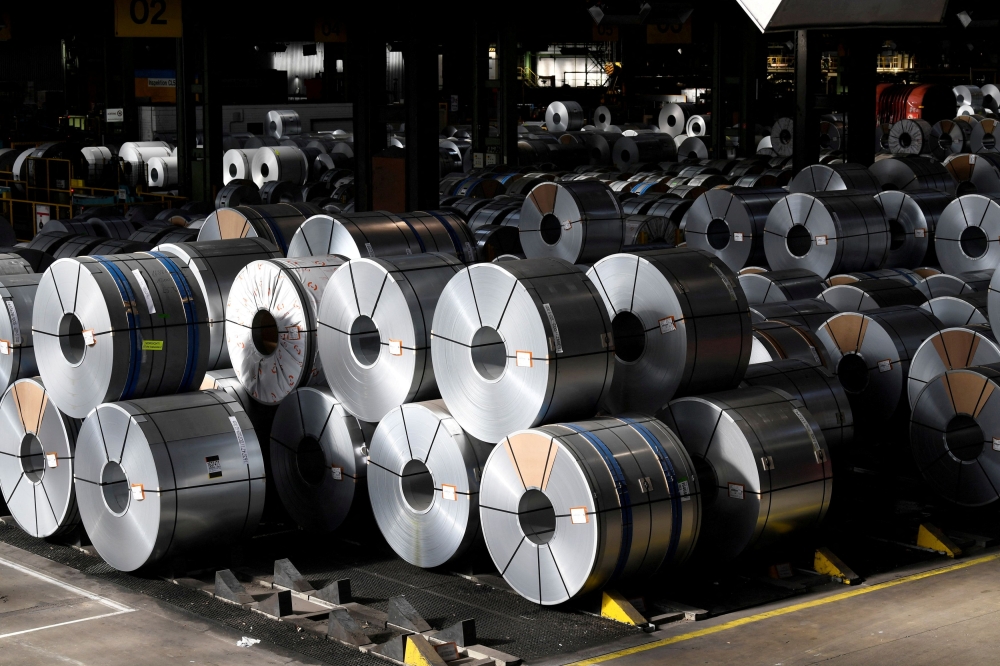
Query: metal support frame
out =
(807, 74)
(863, 46)
(366, 73)
(507, 107)
(186, 118)
(212, 116)
(753, 74)
(480, 93)
(716, 126)
(420, 93)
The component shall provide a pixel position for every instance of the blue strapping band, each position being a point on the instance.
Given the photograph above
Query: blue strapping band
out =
(275, 231)
(190, 314)
(455, 240)
(128, 300)
(420, 241)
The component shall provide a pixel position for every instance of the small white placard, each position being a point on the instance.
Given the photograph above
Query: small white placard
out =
(667, 325)
(449, 651)
(736, 490)
(15, 325)
(145, 290)
(738, 236)
(996, 443)
(477, 160)
(292, 333)
(919, 233)
(523, 359)
(371, 252)
(52, 459)
(4, 347)
(449, 493)
(645, 484)
(820, 240)
(239, 438)
(578, 515)
(338, 473)
(88, 337)
(396, 347)
(491, 159)
(684, 489)
(138, 494)
(885, 366)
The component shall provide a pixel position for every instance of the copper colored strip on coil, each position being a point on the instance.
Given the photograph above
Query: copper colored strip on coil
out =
(231, 224)
(533, 456)
(31, 403)
(968, 392)
(848, 331)
(544, 197)
(956, 347)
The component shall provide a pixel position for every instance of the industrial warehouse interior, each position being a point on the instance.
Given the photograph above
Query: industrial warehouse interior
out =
(593, 332)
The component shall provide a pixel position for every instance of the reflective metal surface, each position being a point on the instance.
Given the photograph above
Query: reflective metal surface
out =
(959, 310)
(778, 340)
(579, 221)
(827, 177)
(968, 234)
(17, 351)
(809, 313)
(563, 116)
(277, 223)
(282, 123)
(866, 295)
(952, 348)
(729, 223)
(236, 165)
(943, 284)
(912, 218)
(778, 286)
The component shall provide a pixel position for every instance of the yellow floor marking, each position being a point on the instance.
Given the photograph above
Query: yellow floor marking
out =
(782, 611)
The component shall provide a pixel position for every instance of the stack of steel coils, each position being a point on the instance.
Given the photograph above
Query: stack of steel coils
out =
(867, 295)
(779, 286)
(236, 165)
(579, 221)
(276, 223)
(729, 223)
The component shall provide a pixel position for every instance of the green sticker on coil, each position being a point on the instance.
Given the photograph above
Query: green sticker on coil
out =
(152, 345)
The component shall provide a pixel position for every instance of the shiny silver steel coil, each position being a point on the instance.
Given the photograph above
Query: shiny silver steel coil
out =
(579, 221)
(163, 477)
(535, 320)
(697, 125)
(98, 159)
(868, 295)
(564, 116)
(442, 231)
(953, 434)
(781, 137)
(279, 163)
(729, 223)
(236, 165)
(950, 349)
(271, 324)
(693, 148)
(969, 96)
(501, 212)
(214, 265)
(778, 286)
(871, 354)
(162, 172)
(283, 123)
(809, 313)
(37, 444)
(975, 173)
(984, 138)
(680, 323)
(118, 327)
(673, 118)
(778, 340)
(912, 218)
(967, 237)
(947, 139)
(276, 223)
(816, 388)
(994, 301)
(375, 331)
(913, 173)
(17, 351)
(827, 177)
(318, 452)
(827, 233)
(569, 508)
(910, 137)
(631, 151)
(964, 310)
(14, 264)
(763, 467)
(602, 118)
(601, 146)
(943, 284)
(991, 97)
(382, 234)
(76, 246)
(423, 480)
(135, 156)
(653, 230)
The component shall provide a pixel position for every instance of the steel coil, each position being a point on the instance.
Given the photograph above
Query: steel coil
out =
(568, 508)
(964, 310)
(967, 237)
(162, 172)
(279, 163)
(578, 221)
(809, 313)
(602, 118)
(601, 146)
(169, 476)
(983, 138)
(693, 148)
(697, 125)
(763, 467)
(680, 324)
(135, 155)
(17, 352)
(968, 96)
(781, 137)
(37, 445)
(238, 193)
(778, 340)
(950, 349)
(910, 137)
(910, 278)
(975, 173)
(943, 284)
(913, 173)
(827, 177)
(912, 218)
(14, 264)
(277, 223)
(947, 138)
(631, 151)
(652, 230)
(868, 295)
(673, 118)
(236, 165)
(271, 324)
(729, 223)
(778, 286)
(493, 241)
(830, 136)
(564, 116)
(76, 246)
(498, 372)
(423, 480)
(283, 123)
(500, 212)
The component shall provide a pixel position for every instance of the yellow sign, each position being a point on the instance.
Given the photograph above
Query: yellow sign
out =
(147, 18)
(669, 33)
(152, 345)
(330, 30)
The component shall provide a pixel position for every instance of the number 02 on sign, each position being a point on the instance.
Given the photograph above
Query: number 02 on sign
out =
(147, 18)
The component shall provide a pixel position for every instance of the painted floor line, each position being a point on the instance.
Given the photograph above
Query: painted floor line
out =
(782, 611)
(63, 624)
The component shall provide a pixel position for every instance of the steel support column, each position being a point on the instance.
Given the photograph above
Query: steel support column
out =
(366, 74)
(421, 96)
(507, 107)
(807, 74)
(862, 81)
(211, 115)
(480, 60)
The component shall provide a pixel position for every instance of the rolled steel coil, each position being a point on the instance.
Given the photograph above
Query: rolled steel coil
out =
(236, 165)
(498, 372)
(991, 97)
(830, 136)
(112, 227)
(868, 295)
(271, 324)
(276, 223)
(117, 246)
(498, 213)
(764, 468)
(276, 192)
(579, 221)
(967, 237)
(913, 173)
(37, 445)
(279, 163)
(947, 138)
(76, 246)
(871, 354)
(903, 275)
(779, 286)
(318, 453)
(601, 145)
(827, 233)
(781, 137)
(827, 177)
(423, 480)
(135, 155)
(442, 231)
(943, 284)
(816, 388)
(673, 118)
(693, 148)
(162, 172)
(809, 313)
(76, 227)
(952, 433)
(668, 308)
(729, 223)
(777, 340)
(48, 242)
(14, 264)
(176, 234)
(984, 136)
(99, 161)
(281, 123)
(238, 193)
(17, 352)
(261, 415)
(602, 118)
(910, 137)
(966, 310)
(170, 476)
(950, 349)
(568, 508)
(640, 205)
(110, 328)
(374, 331)
(912, 218)
(564, 116)
(697, 125)
(975, 173)
(652, 230)
(969, 96)
(630, 151)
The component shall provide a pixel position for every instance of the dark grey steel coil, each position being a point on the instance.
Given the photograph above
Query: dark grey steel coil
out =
(910, 137)
(579, 221)
(965, 310)
(912, 218)
(778, 340)
(950, 349)
(868, 295)
(729, 223)
(947, 139)
(276, 223)
(564, 116)
(832, 177)
(975, 173)
(967, 237)
(778, 286)
(782, 135)
(913, 173)
(994, 301)
(630, 151)
(493, 241)
(17, 351)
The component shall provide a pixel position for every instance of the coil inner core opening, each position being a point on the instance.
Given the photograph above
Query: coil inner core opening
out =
(630, 337)
(310, 460)
(905, 140)
(626, 155)
(537, 517)
(601, 118)
(798, 240)
(274, 126)
(696, 128)
(556, 118)
(232, 170)
(115, 487)
(853, 373)
(264, 170)
(671, 120)
(264, 332)
(974, 242)
(718, 234)
(989, 141)
(418, 485)
(71, 338)
(897, 235)
(785, 136)
(32, 458)
(366, 342)
(964, 437)
(550, 229)
(489, 353)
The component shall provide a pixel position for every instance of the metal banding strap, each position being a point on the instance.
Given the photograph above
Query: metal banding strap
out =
(451, 232)
(677, 516)
(190, 315)
(128, 299)
(621, 486)
(460, 184)
(420, 241)
(275, 231)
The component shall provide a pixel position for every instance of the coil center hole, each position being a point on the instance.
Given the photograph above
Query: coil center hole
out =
(71, 338)
(264, 171)
(905, 140)
(32, 458)
(232, 170)
(853, 373)
(366, 342)
(556, 118)
(601, 118)
(785, 136)
(418, 485)
(671, 121)
(798, 240)
(989, 141)
(696, 128)
(115, 486)
(630, 337)
(626, 155)
(550, 228)
(274, 126)
(718, 234)
(264, 331)
(154, 174)
(537, 517)
(897, 235)
(974, 242)
(310, 460)
(964, 437)
(489, 353)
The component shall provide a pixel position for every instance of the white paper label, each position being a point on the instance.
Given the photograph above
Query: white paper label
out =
(52, 459)
(138, 494)
(145, 290)
(684, 489)
(239, 438)
(292, 333)
(523, 359)
(4, 347)
(996, 443)
(972, 159)
(885, 366)
(214, 466)
(15, 325)
(736, 490)
(809, 430)
(88, 337)
(820, 240)
(567, 226)
(449, 493)
(555, 327)
(371, 252)
(737, 236)
(919, 233)
(725, 280)
(578, 515)
(645, 484)
(667, 325)
(396, 347)
(447, 651)
(338, 473)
